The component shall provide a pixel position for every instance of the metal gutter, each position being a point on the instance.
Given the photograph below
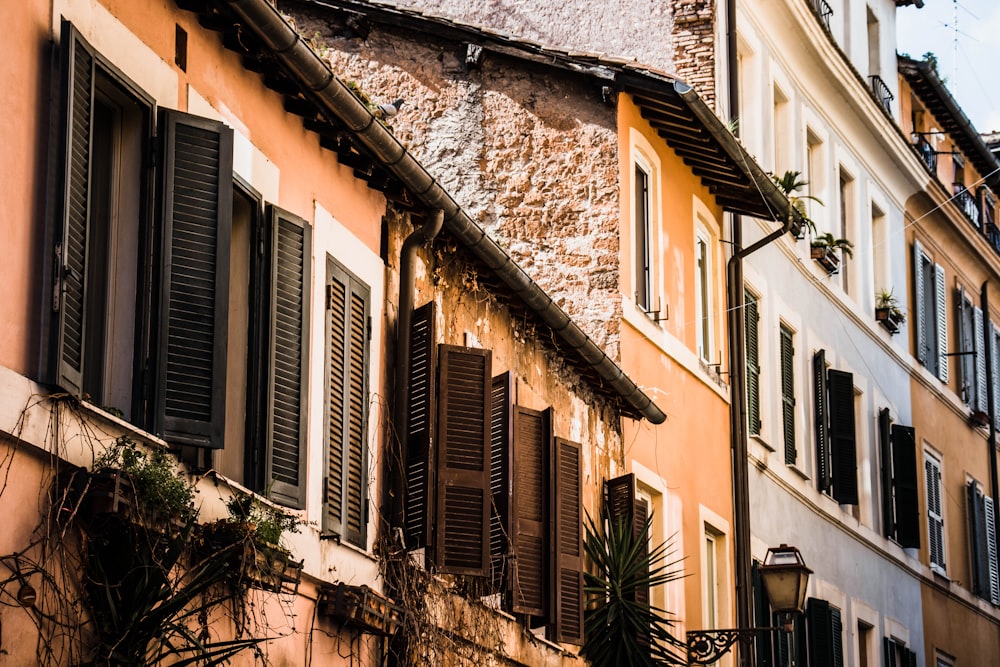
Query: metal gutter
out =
(335, 99)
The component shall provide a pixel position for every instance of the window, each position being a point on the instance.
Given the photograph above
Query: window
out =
(644, 239)
(751, 322)
(880, 250)
(972, 367)
(816, 175)
(836, 448)
(983, 544)
(935, 512)
(787, 353)
(626, 505)
(714, 555)
(929, 309)
(897, 655)
(900, 514)
(348, 327)
(703, 294)
(845, 197)
(782, 121)
(866, 632)
(874, 45)
(826, 634)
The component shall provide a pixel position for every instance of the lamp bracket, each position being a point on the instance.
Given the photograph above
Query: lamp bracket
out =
(705, 647)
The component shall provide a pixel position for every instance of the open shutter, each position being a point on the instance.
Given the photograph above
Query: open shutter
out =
(919, 309)
(421, 422)
(826, 641)
(71, 254)
(346, 502)
(977, 546)
(989, 521)
(753, 362)
(567, 543)
(501, 453)
(980, 349)
(763, 641)
(286, 434)
(837, 637)
(625, 506)
(994, 350)
(885, 458)
(788, 396)
(904, 480)
(194, 297)
(463, 461)
(532, 454)
(941, 316)
(935, 519)
(889, 652)
(843, 449)
(822, 433)
(966, 362)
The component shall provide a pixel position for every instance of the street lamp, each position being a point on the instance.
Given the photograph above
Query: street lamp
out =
(785, 576)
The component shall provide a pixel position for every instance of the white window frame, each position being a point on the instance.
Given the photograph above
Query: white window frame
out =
(704, 249)
(644, 158)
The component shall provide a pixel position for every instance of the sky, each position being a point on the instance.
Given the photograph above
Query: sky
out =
(974, 37)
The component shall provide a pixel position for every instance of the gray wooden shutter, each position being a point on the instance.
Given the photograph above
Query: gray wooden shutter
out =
(345, 513)
(567, 543)
(989, 519)
(935, 518)
(920, 312)
(463, 461)
(501, 456)
(788, 396)
(843, 449)
(904, 481)
(194, 291)
(966, 362)
(942, 322)
(532, 453)
(288, 357)
(995, 375)
(78, 93)
(822, 432)
(753, 361)
(885, 457)
(980, 349)
(977, 545)
(421, 425)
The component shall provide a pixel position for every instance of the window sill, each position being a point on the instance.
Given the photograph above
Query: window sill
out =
(122, 423)
(798, 470)
(759, 439)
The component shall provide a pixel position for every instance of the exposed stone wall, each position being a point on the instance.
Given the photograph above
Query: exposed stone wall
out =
(694, 45)
(528, 152)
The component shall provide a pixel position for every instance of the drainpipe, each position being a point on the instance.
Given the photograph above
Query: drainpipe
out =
(991, 442)
(392, 497)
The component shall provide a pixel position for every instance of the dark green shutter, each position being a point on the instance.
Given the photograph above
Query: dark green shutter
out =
(763, 641)
(501, 455)
(194, 294)
(347, 313)
(421, 422)
(822, 432)
(463, 461)
(567, 542)
(752, 362)
(977, 545)
(843, 448)
(826, 641)
(904, 480)
(885, 457)
(530, 513)
(788, 396)
(290, 272)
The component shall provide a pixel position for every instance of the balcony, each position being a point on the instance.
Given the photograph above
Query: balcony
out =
(882, 92)
(967, 203)
(927, 153)
(825, 11)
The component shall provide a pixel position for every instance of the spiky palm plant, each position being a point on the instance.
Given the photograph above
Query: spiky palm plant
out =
(621, 628)
(789, 183)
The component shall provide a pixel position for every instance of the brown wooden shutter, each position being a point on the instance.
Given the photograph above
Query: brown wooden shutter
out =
(822, 432)
(79, 71)
(567, 543)
(904, 481)
(421, 423)
(843, 449)
(620, 498)
(463, 461)
(194, 291)
(346, 502)
(530, 511)
(501, 456)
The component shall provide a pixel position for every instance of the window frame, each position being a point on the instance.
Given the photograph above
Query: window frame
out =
(644, 228)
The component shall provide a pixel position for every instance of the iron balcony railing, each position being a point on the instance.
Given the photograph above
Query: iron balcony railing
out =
(882, 92)
(927, 153)
(824, 10)
(967, 202)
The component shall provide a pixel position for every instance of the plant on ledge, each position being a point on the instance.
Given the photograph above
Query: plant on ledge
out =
(887, 310)
(620, 626)
(823, 249)
(788, 183)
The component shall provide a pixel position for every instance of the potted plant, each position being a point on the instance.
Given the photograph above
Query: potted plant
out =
(824, 247)
(789, 183)
(887, 311)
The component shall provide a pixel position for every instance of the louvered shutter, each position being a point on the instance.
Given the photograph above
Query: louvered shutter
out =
(79, 71)
(977, 546)
(501, 456)
(921, 315)
(843, 449)
(966, 362)
(904, 481)
(822, 433)
(940, 313)
(421, 424)
(461, 534)
(819, 625)
(989, 520)
(994, 350)
(532, 453)
(788, 396)
(885, 457)
(935, 519)
(979, 347)
(567, 543)
(288, 385)
(889, 652)
(911, 658)
(763, 641)
(194, 297)
(346, 503)
(837, 637)
(752, 361)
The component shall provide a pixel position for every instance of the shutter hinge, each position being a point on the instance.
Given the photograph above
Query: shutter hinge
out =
(153, 157)
(329, 296)
(57, 278)
(368, 329)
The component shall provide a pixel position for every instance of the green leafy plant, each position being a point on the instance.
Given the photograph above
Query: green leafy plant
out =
(790, 183)
(884, 299)
(620, 628)
(828, 240)
(268, 523)
(160, 488)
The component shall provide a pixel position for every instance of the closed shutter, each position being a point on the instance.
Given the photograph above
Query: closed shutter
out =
(935, 518)
(194, 307)
(286, 434)
(420, 424)
(843, 449)
(626, 508)
(463, 461)
(885, 459)
(753, 362)
(346, 502)
(79, 71)
(994, 350)
(941, 319)
(826, 642)
(822, 433)
(501, 455)
(567, 543)
(979, 347)
(989, 521)
(788, 395)
(837, 637)
(919, 310)
(904, 480)
(977, 546)
(532, 453)
(966, 362)
(889, 653)
(763, 641)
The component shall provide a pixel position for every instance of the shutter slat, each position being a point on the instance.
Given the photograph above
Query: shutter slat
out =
(421, 421)
(567, 541)
(843, 448)
(822, 433)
